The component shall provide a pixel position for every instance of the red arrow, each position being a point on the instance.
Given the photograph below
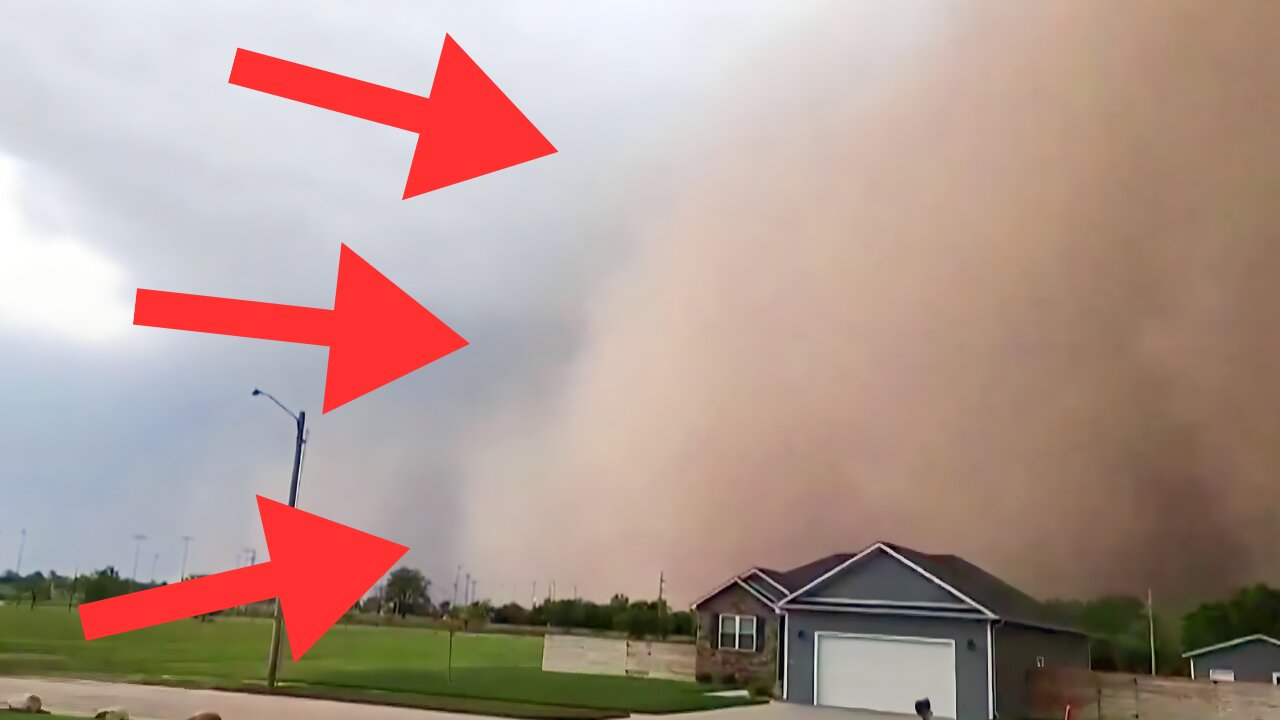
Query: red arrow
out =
(318, 569)
(467, 128)
(375, 332)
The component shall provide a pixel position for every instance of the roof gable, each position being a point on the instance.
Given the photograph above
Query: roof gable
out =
(753, 581)
(892, 552)
(1232, 643)
(880, 577)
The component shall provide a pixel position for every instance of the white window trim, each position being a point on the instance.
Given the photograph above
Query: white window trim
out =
(737, 632)
(1217, 675)
(1039, 661)
(1275, 678)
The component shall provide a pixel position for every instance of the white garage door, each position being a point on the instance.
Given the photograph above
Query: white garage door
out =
(886, 674)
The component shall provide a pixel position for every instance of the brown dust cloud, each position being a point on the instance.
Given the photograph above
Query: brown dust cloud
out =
(1001, 280)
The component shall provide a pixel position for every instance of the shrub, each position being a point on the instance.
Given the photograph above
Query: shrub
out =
(760, 688)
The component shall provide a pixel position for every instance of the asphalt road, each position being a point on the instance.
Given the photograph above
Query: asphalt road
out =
(146, 702)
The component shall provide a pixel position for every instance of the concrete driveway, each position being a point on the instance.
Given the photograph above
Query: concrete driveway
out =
(147, 702)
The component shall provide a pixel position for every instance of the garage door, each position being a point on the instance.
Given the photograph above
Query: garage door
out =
(885, 674)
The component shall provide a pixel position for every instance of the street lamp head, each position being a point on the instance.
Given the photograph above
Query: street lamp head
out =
(256, 392)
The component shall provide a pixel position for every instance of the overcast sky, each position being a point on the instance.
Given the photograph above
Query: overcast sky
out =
(126, 160)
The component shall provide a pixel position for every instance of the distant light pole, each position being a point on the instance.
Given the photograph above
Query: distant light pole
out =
(137, 551)
(155, 560)
(300, 419)
(186, 543)
(22, 544)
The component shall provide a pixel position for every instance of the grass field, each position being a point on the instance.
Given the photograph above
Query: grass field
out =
(379, 664)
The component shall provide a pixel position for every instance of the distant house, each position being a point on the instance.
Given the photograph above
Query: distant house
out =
(882, 628)
(1253, 658)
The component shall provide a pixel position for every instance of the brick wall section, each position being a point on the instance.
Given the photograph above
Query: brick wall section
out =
(1120, 696)
(761, 665)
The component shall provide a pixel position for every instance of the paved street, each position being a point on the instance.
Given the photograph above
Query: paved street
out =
(146, 702)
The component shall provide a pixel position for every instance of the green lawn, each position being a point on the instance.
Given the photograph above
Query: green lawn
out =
(381, 664)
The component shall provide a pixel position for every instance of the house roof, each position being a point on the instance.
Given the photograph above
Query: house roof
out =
(987, 592)
(999, 597)
(797, 578)
(1232, 643)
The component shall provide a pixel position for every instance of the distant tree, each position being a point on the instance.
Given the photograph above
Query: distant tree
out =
(407, 591)
(682, 623)
(105, 583)
(1254, 609)
(475, 616)
(510, 614)
(1119, 628)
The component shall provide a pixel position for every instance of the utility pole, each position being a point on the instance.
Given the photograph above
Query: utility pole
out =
(1151, 630)
(466, 591)
(137, 551)
(533, 596)
(662, 619)
(186, 542)
(22, 544)
(273, 661)
(456, 574)
(474, 598)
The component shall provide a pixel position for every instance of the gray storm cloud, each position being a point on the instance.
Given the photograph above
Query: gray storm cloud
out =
(1004, 287)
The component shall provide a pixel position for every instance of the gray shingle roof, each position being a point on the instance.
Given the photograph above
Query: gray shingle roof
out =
(1002, 599)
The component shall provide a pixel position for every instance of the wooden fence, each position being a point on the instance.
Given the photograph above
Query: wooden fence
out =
(1120, 696)
(608, 656)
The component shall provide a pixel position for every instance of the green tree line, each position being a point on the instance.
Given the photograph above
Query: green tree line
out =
(1117, 624)
(407, 591)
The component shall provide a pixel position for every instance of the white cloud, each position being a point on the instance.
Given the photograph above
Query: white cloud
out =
(54, 283)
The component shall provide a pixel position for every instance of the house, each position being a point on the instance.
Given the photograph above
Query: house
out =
(1253, 658)
(882, 628)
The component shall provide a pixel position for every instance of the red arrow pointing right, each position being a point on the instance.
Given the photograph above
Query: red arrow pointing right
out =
(467, 128)
(375, 332)
(318, 569)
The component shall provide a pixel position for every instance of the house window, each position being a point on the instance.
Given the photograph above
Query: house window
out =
(1275, 678)
(1222, 675)
(738, 632)
(1039, 661)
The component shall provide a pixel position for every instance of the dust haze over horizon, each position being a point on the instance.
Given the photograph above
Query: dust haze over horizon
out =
(992, 280)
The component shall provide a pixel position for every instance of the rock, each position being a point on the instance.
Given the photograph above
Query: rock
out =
(205, 715)
(112, 713)
(25, 703)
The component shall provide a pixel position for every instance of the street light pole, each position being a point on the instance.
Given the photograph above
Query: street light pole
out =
(22, 545)
(137, 551)
(186, 543)
(273, 660)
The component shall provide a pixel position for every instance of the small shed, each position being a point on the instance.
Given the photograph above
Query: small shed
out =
(1253, 658)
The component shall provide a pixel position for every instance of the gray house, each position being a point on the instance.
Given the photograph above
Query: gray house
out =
(883, 628)
(1254, 658)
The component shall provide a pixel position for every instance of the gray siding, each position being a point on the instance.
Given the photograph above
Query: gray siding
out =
(880, 576)
(1016, 649)
(1253, 661)
(971, 665)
